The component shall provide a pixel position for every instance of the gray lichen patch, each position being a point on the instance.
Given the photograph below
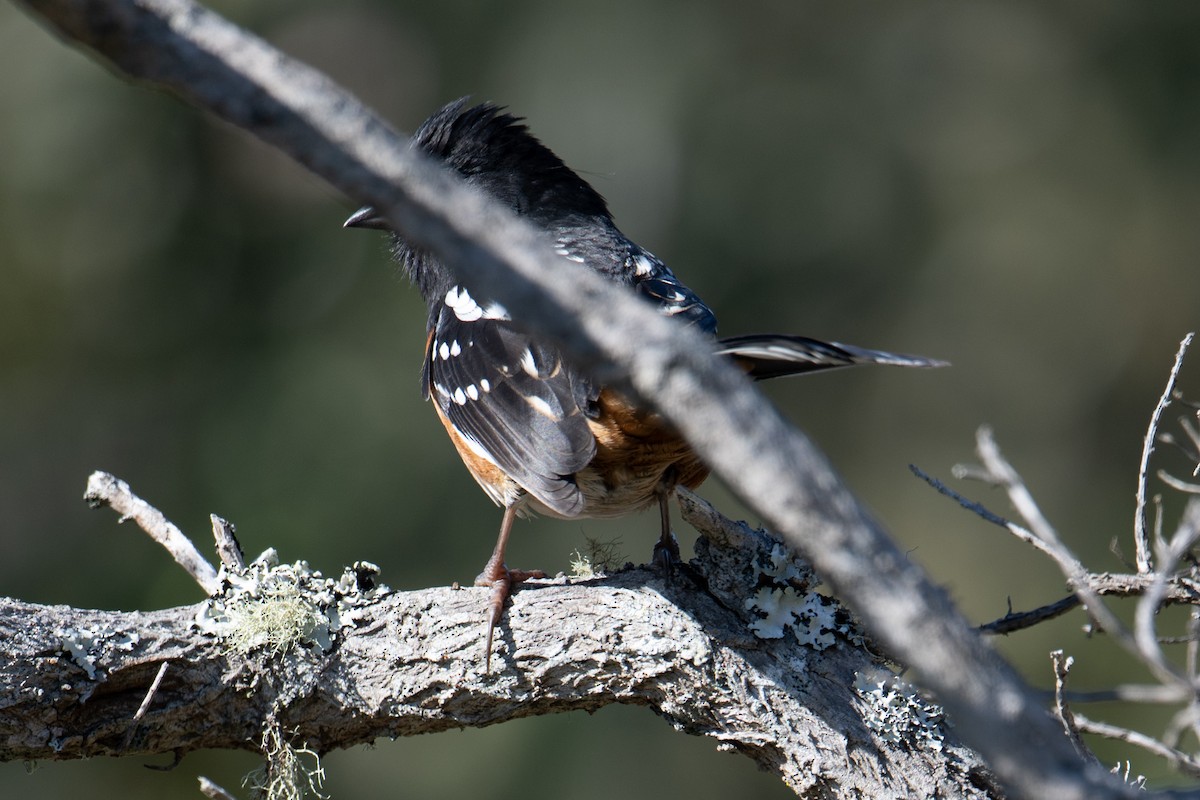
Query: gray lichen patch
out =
(276, 607)
(86, 646)
(897, 712)
(779, 606)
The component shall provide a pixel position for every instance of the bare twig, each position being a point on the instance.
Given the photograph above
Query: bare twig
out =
(1183, 720)
(1193, 648)
(1156, 693)
(1145, 627)
(1176, 484)
(1180, 760)
(1062, 666)
(1180, 589)
(141, 712)
(104, 489)
(228, 547)
(1003, 474)
(1011, 622)
(210, 789)
(962, 471)
(1141, 537)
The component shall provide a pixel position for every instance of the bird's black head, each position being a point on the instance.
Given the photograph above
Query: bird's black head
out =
(494, 151)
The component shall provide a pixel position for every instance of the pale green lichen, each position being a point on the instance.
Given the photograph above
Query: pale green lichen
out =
(275, 607)
(581, 567)
(289, 773)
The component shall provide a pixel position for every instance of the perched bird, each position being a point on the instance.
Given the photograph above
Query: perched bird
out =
(536, 433)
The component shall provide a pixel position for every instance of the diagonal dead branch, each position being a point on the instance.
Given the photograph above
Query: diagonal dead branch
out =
(1019, 531)
(104, 489)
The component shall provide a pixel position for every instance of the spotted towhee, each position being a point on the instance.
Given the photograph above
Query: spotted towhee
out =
(536, 433)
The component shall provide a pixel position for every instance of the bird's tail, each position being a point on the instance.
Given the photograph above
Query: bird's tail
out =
(773, 355)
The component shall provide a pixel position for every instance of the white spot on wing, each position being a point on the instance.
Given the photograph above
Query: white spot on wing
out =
(459, 397)
(455, 349)
(528, 364)
(443, 351)
(486, 385)
(541, 406)
(473, 392)
(466, 309)
(643, 264)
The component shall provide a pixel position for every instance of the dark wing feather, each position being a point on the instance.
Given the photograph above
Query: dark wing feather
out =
(517, 401)
(656, 283)
(766, 356)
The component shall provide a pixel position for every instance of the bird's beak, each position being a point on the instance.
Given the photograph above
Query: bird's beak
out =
(367, 217)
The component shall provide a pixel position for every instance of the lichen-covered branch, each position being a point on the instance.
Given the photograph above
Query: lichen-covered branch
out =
(826, 716)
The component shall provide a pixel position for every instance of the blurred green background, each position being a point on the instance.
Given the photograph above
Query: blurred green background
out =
(1010, 186)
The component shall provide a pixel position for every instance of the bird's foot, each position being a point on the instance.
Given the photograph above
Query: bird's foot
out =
(666, 554)
(501, 580)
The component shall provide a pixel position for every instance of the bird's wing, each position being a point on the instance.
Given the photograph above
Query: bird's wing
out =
(516, 401)
(655, 282)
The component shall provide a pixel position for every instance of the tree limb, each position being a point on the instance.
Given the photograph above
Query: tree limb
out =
(410, 664)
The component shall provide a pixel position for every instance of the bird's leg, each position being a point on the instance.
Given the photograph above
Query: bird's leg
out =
(666, 550)
(501, 579)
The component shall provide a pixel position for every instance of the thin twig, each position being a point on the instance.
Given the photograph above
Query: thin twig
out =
(1183, 720)
(1011, 622)
(1189, 639)
(104, 489)
(1193, 433)
(1019, 495)
(1180, 590)
(210, 789)
(1181, 761)
(1156, 693)
(141, 712)
(1176, 484)
(1141, 538)
(1193, 645)
(1062, 666)
(1145, 627)
(1022, 533)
